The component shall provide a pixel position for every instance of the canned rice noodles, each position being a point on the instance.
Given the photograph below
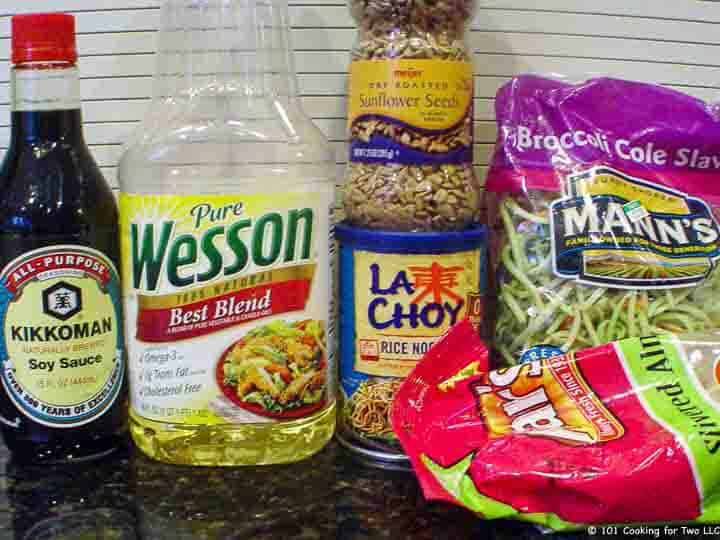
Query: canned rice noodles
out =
(399, 293)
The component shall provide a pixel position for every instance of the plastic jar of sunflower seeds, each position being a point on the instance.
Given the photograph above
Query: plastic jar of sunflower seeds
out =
(411, 117)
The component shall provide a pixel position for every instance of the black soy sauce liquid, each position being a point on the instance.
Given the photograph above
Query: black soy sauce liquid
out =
(52, 192)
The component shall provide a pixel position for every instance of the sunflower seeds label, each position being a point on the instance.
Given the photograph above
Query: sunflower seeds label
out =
(411, 111)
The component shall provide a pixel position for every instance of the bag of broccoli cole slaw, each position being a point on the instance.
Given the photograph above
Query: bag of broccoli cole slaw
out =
(606, 196)
(569, 441)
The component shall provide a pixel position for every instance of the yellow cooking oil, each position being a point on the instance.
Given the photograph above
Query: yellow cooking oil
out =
(245, 445)
(226, 233)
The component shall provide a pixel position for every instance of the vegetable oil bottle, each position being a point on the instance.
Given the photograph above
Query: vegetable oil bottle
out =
(227, 192)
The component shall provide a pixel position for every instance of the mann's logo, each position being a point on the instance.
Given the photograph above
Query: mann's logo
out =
(623, 232)
(62, 301)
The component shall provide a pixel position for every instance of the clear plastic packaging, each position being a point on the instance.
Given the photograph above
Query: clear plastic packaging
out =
(411, 117)
(605, 197)
(227, 193)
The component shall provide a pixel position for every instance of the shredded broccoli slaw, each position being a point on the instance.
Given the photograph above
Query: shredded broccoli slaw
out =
(536, 307)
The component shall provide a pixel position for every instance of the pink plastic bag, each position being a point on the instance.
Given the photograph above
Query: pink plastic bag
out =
(572, 440)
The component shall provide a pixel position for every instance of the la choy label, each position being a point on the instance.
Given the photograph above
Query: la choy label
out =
(405, 302)
(227, 305)
(61, 338)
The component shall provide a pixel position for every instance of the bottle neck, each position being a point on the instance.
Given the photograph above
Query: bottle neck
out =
(46, 103)
(225, 49)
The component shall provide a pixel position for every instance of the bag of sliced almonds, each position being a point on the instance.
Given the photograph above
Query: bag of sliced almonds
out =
(411, 117)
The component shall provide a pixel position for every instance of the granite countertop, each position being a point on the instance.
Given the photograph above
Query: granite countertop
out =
(329, 496)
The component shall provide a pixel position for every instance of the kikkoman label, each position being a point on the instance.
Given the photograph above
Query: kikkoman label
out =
(61, 341)
(618, 231)
(228, 305)
(411, 111)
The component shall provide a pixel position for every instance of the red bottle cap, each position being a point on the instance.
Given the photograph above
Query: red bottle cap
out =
(43, 37)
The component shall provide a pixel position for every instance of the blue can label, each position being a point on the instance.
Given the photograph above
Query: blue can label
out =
(393, 308)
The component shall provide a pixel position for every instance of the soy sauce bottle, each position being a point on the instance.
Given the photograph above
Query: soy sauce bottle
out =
(62, 360)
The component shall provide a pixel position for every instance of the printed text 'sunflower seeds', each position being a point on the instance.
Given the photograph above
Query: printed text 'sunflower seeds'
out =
(411, 123)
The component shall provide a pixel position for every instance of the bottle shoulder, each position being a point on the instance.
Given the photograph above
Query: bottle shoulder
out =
(185, 154)
(162, 140)
(54, 186)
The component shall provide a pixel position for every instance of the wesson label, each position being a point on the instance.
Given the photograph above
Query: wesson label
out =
(673, 242)
(410, 111)
(405, 303)
(61, 340)
(228, 303)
